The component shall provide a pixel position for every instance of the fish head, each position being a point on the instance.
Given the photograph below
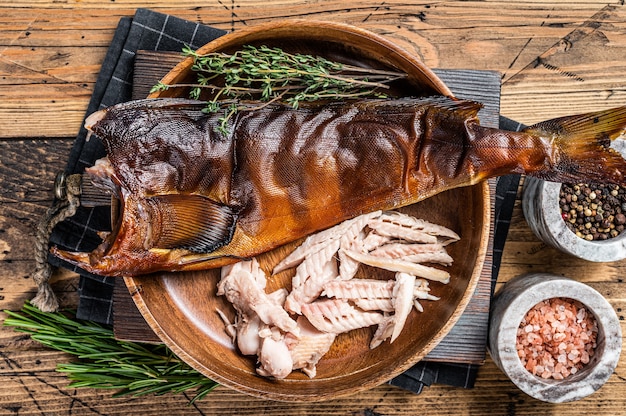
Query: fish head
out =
(174, 231)
(153, 172)
(154, 234)
(125, 122)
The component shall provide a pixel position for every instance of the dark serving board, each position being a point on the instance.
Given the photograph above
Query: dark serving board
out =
(466, 342)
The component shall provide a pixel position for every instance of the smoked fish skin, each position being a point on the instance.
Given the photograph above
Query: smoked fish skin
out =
(192, 198)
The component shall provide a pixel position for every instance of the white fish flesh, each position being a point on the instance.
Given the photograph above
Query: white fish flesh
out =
(396, 265)
(359, 289)
(239, 284)
(309, 347)
(311, 276)
(338, 316)
(328, 300)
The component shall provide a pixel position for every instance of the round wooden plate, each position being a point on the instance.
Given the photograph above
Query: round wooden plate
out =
(181, 307)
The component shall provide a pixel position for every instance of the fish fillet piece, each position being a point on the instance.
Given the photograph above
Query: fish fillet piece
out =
(372, 295)
(372, 241)
(240, 285)
(352, 240)
(274, 359)
(393, 231)
(247, 335)
(359, 289)
(383, 331)
(338, 316)
(320, 240)
(396, 265)
(310, 278)
(413, 223)
(362, 243)
(314, 263)
(348, 267)
(309, 347)
(416, 253)
(376, 304)
(402, 302)
(422, 290)
(192, 198)
(404, 297)
(370, 289)
(249, 326)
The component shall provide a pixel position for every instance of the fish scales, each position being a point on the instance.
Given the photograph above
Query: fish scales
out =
(193, 198)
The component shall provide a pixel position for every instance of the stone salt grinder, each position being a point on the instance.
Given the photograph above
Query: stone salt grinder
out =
(511, 303)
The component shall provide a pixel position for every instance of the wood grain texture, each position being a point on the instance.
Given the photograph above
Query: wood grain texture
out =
(508, 37)
(49, 58)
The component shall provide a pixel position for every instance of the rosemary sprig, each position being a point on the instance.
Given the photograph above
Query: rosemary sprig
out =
(269, 74)
(104, 362)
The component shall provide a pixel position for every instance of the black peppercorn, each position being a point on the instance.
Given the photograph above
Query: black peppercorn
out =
(593, 212)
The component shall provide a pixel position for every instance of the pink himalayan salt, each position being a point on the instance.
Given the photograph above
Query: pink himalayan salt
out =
(556, 338)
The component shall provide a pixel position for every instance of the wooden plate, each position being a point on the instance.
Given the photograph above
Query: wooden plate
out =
(181, 307)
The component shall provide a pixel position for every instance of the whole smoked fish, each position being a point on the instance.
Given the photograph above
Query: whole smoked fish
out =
(192, 198)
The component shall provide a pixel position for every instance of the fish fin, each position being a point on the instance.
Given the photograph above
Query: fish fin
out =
(192, 222)
(582, 146)
(465, 109)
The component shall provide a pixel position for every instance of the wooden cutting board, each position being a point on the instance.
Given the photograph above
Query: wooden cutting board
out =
(466, 342)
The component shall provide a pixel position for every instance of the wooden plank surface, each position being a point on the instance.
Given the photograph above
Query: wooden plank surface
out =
(544, 50)
(556, 57)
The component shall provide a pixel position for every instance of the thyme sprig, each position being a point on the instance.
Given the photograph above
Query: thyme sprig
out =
(104, 362)
(269, 74)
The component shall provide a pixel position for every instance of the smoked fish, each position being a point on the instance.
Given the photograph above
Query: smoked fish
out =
(194, 198)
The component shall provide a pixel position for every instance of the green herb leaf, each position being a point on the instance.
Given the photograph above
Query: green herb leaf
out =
(268, 74)
(104, 362)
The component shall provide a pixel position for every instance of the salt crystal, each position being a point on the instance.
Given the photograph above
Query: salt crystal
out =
(556, 348)
(584, 357)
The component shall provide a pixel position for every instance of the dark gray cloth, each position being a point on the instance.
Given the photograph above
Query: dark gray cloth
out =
(149, 30)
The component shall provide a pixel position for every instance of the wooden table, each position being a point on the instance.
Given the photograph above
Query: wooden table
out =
(555, 57)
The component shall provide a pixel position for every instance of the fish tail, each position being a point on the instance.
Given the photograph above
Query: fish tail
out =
(580, 147)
